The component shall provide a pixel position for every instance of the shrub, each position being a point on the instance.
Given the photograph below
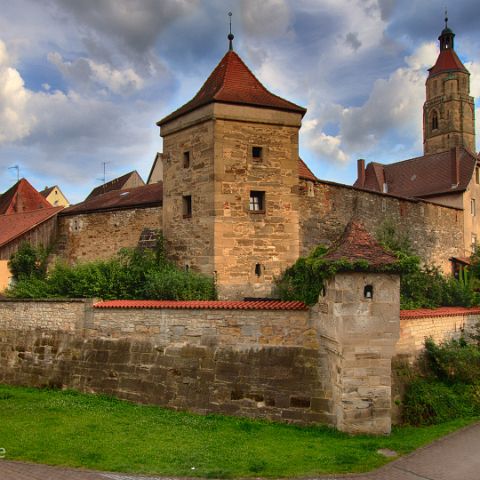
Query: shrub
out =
(132, 274)
(28, 262)
(427, 402)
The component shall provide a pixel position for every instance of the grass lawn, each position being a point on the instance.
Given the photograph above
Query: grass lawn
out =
(98, 432)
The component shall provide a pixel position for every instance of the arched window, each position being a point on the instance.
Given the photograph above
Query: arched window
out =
(434, 120)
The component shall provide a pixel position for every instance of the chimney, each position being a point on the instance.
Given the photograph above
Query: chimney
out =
(455, 165)
(360, 172)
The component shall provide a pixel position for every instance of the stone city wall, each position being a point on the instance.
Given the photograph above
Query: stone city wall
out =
(326, 208)
(440, 324)
(100, 235)
(255, 363)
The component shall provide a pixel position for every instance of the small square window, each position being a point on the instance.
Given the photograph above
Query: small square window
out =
(187, 206)
(186, 159)
(257, 201)
(257, 153)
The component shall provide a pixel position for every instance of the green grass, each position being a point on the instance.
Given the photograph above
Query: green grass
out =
(103, 433)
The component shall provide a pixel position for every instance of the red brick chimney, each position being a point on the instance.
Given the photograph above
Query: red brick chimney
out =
(360, 172)
(455, 165)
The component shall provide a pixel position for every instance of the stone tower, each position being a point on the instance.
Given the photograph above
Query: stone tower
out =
(231, 180)
(449, 110)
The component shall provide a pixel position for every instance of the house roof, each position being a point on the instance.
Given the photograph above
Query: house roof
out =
(304, 172)
(46, 191)
(115, 184)
(357, 244)
(203, 305)
(22, 197)
(14, 225)
(447, 61)
(157, 161)
(232, 82)
(423, 176)
(138, 197)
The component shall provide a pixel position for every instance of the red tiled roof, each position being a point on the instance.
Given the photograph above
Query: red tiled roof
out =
(232, 82)
(447, 61)
(357, 244)
(22, 197)
(305, 172)
(203, 305)
(115, 184)
(423, 176)
(438, 312)
(14, 225)
(139, 197)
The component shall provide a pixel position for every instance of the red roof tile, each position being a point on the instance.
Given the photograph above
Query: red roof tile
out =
(305, 172)
(438, 312)
(22, 197)
(14, 225)
(232, 82)
(447, 61)
(115, 184)
(203, 305)
(357, 244)
(139, 197)
(423, 176)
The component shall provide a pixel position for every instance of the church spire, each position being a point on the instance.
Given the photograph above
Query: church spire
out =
(446, 37)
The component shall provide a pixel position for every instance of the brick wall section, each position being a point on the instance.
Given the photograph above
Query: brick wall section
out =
(99, 236)
(436, 231)
(250, 363)
(440, 324)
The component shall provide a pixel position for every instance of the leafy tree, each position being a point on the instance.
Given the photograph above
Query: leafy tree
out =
(28, 262)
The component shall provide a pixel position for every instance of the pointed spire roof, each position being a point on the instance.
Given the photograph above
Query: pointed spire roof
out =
(447, 60)
(232, 82)
(22, 197)
(356, 244)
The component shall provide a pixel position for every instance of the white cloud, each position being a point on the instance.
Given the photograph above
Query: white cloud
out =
(395, 104)
(15, 121)
(85, 71)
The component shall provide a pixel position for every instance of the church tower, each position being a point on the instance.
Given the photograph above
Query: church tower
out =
(449, 110)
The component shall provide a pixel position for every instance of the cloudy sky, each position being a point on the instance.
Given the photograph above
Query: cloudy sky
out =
(83, 82)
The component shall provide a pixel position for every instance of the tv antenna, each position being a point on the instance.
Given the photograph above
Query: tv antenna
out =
(104, 178)
(17, 168)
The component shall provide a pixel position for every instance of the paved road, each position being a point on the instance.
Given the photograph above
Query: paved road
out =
(455, 457)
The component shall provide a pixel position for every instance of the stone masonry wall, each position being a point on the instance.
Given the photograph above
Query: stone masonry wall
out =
(326, 208)
(100, 235)
(250, 363)
(414, 329)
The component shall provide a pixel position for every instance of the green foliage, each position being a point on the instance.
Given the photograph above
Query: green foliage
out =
(306, 277)
(394, 241)
(132, 274)
(427, 402)
(447, 386)
(455, 361)
(28, 262)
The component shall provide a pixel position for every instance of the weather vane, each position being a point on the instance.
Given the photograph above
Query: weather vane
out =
(446, 18)
(230, 35)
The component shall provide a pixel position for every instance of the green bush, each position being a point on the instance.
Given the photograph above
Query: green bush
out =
(427, 402)
(28, 262)
(132, 274)
(455, 361)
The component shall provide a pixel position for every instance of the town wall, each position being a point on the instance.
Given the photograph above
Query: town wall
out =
(436, 231)
(100, 235)
(256, 363)
(293, 364)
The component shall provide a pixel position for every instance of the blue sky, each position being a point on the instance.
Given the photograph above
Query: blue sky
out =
(83, 82)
